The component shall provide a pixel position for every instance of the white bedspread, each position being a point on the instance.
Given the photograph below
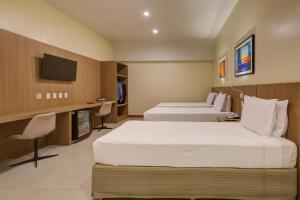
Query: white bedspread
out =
(191, 114)
(192, 144)
(184, 104)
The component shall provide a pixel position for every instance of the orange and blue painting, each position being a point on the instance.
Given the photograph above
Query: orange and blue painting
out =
(244, 57)
(223, 67)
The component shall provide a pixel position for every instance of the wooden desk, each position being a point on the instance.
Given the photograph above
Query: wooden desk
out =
(15, 123)
(57, 110)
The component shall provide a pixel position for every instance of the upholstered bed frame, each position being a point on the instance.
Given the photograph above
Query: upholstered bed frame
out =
(193, 183)
(223, 183)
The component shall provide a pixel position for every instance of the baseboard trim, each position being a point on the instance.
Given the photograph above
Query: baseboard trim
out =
(136, 116)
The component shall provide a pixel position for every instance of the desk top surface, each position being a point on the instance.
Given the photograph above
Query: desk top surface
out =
(27, 115)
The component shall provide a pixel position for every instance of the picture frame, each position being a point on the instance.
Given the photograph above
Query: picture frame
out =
(223, 67)
(244, 57)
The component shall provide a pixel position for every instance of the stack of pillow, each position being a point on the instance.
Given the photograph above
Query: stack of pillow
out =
(222, 103)
(211, 98)
(265, 117)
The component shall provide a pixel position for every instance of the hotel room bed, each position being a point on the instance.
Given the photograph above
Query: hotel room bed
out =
(193, 160)
(184, 104)
(192, 114)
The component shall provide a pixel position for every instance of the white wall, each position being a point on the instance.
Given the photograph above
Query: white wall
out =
(161, 50)
(38, 20)
(154, 82)
(276, 24)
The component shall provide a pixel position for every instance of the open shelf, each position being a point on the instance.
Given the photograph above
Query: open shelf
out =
(122, 117)
(122, 76)
(123, 104)
(113, 72)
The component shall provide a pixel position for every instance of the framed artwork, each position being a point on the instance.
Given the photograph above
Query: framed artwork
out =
(244, 57)
(223, 68)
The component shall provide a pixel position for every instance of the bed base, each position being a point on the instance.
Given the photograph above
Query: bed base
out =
(193, 183)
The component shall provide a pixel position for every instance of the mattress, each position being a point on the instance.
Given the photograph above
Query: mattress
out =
(192, 144)
(184, 104)
(191, 114)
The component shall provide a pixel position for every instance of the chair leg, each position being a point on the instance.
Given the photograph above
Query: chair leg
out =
(35, 156)
(102, 125)
(36, 151)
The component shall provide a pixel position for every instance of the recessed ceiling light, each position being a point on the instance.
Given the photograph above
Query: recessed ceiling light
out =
(155, 31)
(146, 13)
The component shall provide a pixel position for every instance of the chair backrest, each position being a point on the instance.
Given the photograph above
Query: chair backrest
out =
(40, 125)
(105, 108)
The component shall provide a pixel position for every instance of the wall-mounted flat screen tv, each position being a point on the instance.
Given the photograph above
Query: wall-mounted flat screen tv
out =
(56, 68)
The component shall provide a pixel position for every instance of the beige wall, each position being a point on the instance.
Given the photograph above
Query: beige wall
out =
(38, 20)
(276, 24)
(154, 82)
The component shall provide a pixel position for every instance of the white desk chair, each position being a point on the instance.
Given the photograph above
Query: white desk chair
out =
(104, 110)
(40, 125)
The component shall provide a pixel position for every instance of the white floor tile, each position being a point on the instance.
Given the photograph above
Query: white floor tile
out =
(66, 177)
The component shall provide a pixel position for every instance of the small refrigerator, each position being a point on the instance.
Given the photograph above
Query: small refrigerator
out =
(81, 123)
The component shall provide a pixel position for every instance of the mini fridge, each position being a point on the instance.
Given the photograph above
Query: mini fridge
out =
(81, 123)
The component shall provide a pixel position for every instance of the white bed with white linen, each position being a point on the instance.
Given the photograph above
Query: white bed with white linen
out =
(192, 144)
(184, 104)
(192, 114)
(209, 102)
(245, 160)
(221, 108)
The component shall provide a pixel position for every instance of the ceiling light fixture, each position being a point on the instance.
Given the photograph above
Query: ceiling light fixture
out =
(155, 31)
(146, 13)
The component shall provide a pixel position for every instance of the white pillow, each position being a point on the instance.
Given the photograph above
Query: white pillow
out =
(210, 98)
(227, 107)
(259, 115)
(281, 123)
(220, 102)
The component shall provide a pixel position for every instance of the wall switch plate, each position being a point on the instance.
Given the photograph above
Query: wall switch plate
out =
(60, 95)
(48, 95)
(54, 95)
(66, 95)
(38, 96)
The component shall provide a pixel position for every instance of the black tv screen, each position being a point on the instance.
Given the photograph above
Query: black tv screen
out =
(56, 68)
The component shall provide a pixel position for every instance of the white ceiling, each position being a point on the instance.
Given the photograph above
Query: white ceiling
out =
(177, 20)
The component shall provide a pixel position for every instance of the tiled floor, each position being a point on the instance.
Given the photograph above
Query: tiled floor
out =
(66, 177)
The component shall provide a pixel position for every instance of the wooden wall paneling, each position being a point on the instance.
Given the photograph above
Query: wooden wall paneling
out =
(11, 148)
(63, 132)
(109, 86)
(109, 80)
(291, 92)
(235, 94)
(249, 90)
(19, 76)
(20, 60)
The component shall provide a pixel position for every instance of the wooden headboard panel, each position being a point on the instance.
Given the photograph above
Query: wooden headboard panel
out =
(290, 91)
(281, 91)
(235, 94)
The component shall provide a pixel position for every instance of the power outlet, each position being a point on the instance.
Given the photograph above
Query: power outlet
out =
(66, 95)
(48, 95)
(60, 95)
(54, 95)
(38, 96)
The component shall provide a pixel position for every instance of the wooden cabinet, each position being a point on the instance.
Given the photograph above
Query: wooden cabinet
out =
(111, 73)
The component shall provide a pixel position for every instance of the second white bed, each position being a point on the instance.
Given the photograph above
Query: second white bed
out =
(184, 104)
(191, 114)
(192, 144)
